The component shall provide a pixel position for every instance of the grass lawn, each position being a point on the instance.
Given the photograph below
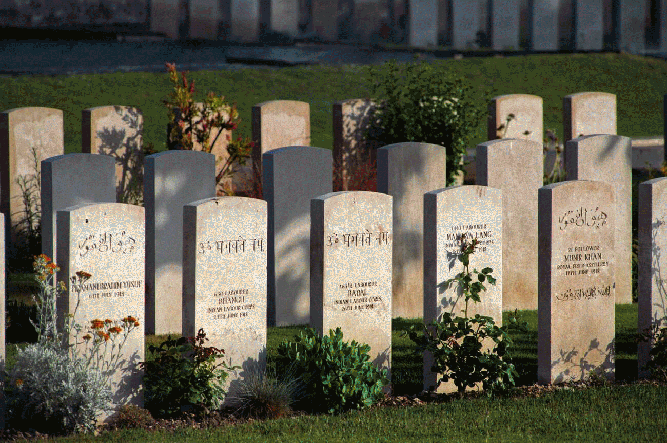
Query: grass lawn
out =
(639, 83)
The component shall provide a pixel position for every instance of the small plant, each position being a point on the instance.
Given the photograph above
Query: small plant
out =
(28, 235)
(336, 375)
(418, 103)
(132, 417)
(184, 375)
(263, 395)
(199, 126)
(557, 173)
(457, 343)
(362, 178)
(657, 337)
(57, 385)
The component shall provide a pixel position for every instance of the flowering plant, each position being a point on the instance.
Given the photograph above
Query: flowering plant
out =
(199, 126)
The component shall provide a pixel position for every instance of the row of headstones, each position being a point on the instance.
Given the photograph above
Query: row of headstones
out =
(351, 241)
(424, 164)
(468, 17)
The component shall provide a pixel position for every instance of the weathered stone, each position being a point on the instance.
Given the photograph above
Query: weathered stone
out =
(224, 281)
(515, 167)
(292, 177)
(576, 307)
(406, 171)
(350, 151)
(423, 24)
(70, 180)
(27, 136)
(651, 289)
(505, 24)
(279, 124)
(325, 15)
(172, 179)
(633, 26)
(473, 212)
(164, 17)
(205, 17)
(467, 22)
(117, 131)
(524, 113)
(285, 17)
(608, 158)
(545, 25)
(588, 113)
(350, 279)
(107, 241)
(590, 28)
(245, 20)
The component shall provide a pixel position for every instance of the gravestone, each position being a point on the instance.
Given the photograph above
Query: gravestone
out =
(164, 17)
(515, 167)
(350, 121)
(324, 14)
(224, 281)
(589, 25)
(472, 212)
(27, 136)
(633, 26)
(278, 124)
(588, 113)
(205, 16)
(608, 158)
(285, 17)
(288, 196)
(70, 180)
(527, 122)
(576, 307)
(172, 179)
(423, 25)
(545, 25)
(245, 20)
(406, 171)
(652, 283)
(505, 24)
(117, 131)
(466, 22)
(107, 241)
(350, 278)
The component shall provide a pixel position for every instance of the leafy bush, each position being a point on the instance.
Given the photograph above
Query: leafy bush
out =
(657, 365)
(184, 375)
(53, 392)
(132, 417)
(457, 343)
(418, 103)
(336, 375)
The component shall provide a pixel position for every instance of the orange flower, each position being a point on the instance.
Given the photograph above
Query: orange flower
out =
(19, 382)
(83, 275)
(115, 330)
(87, 337)
(108, 321)
(136, 323)
(129, 319)
(97, 324)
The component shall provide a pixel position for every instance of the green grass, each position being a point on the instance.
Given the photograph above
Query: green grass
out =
(638, 82)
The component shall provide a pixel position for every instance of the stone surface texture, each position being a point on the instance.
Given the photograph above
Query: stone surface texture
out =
(652, 282)
(505, 24)
(633, 26)
(245, 20)
(350, 280)
(117, 131)
(589, 25)
(172, 180)
(545, 25)
(288, 194)
(224, 281)
(285, 17)
(608, 158)
(350, 121)
(106, 240)
(21, 130)
(205, 16)
(588, 113)
(406, 171)
(466, 23)
(423, 26)
(450, 214)
(576, 307)
(515, 167)
(70, 180)
(527, 122)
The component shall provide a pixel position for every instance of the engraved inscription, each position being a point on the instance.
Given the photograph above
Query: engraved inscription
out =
(116, 242)
(358, 239)
(230, 304)
(481, 232)
(582, 260)
(358, 296)
(232, 246)
(100, 290)
(584, 293)
(582, 217)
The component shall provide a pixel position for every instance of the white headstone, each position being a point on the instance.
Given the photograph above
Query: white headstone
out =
(505, 24)
(589, 25)
(545, 25)
(423, 24)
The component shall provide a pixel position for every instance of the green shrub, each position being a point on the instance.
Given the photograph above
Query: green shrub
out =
(457, 343)
(417, 103)
(184, 375)
(657, 365)
(336, 375)
(132, 417)
(263, 395)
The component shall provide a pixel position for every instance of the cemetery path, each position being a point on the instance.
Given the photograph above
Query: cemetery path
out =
(58, 57)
